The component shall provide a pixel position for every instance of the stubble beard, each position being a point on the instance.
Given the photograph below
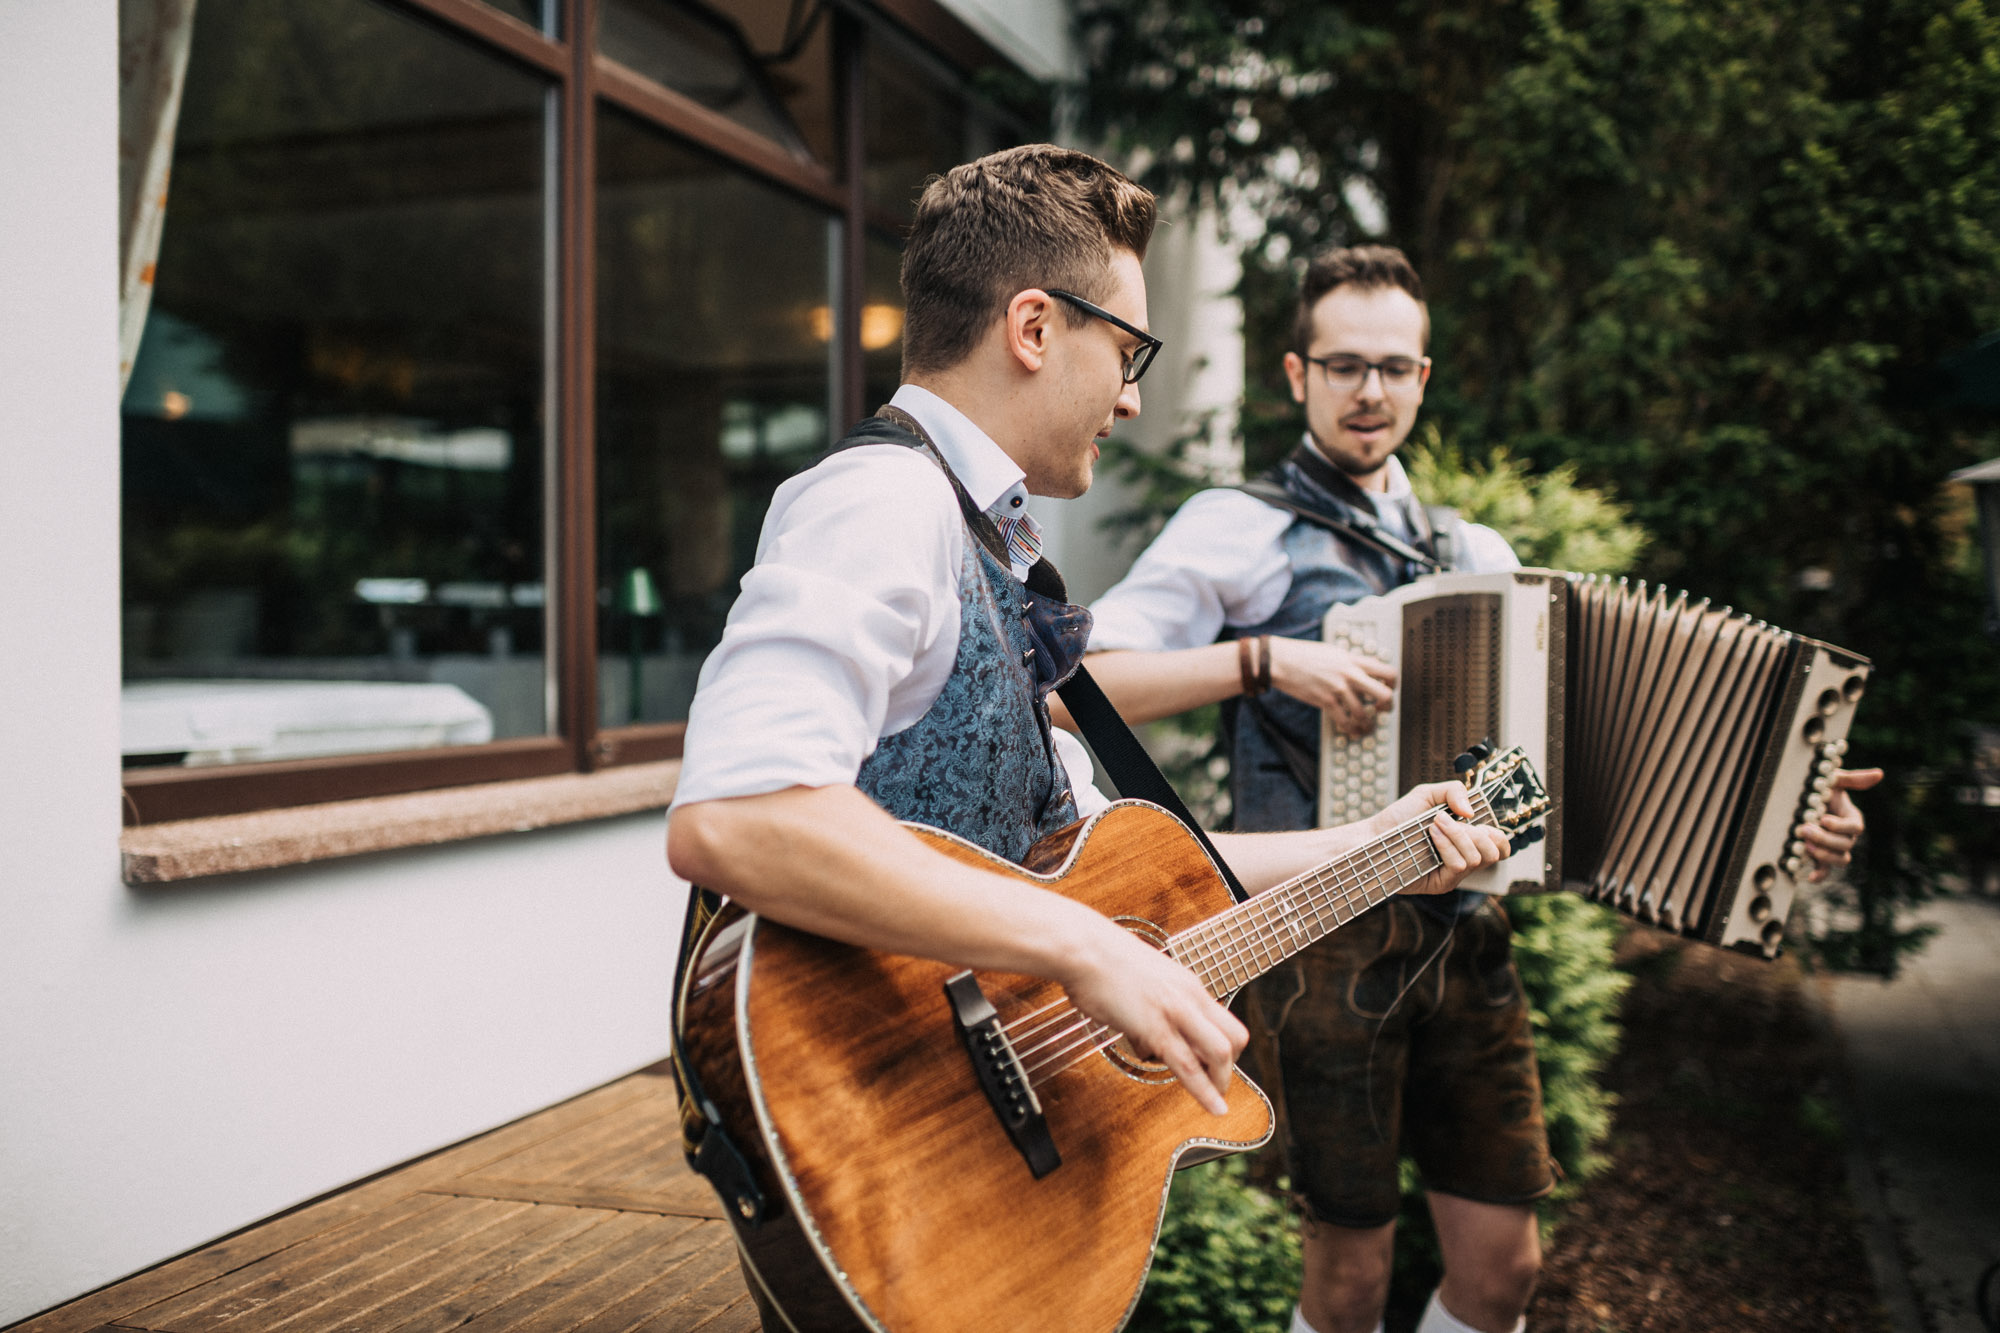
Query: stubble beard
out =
(1355, 465)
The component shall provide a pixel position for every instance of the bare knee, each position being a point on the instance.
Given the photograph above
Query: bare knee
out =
(1493, 1294)
(1492, 1260)
(1346, 1276)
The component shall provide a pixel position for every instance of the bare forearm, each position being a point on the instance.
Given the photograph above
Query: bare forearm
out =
(1262, 860)
(828, 860)
(1145, 687)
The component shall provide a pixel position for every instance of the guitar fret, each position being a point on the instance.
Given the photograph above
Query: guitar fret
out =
(1250, 938)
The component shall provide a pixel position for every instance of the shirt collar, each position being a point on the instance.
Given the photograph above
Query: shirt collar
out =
(1399, 480)
(993, 480)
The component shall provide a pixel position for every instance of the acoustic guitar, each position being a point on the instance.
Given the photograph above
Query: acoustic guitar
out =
(918, 1149)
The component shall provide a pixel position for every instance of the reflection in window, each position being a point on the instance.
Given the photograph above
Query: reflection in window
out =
(334, 428)
(765, 64)
(914, 125)
(881, 322)
(714, 353)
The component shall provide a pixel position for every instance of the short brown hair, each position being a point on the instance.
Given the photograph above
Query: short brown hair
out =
(1034, 216)
(1365, 266)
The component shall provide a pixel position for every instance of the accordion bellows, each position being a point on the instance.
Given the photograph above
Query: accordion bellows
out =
(1682, 742)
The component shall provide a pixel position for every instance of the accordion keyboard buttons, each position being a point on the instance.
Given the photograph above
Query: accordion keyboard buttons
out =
(1364, 783)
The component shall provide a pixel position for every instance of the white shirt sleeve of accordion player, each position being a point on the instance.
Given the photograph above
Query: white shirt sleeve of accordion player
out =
(1486, 552)
(1219, 561)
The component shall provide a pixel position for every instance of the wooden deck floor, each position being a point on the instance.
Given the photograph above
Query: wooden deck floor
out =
(582, 1219)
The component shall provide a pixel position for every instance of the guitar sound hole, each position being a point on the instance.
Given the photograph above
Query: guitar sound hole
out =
(1121, 1053)
(1128, 1062)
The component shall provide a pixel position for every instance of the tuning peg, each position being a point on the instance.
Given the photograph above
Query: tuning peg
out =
(1466, 762)
(1527, 838)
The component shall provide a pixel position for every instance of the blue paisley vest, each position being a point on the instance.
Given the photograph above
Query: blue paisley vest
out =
(981, 762)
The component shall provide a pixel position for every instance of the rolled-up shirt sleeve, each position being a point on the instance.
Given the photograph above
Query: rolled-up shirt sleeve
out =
(1486, 552)
(1219, 561)
(855, 581)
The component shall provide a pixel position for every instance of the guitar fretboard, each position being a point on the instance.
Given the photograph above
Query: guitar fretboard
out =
(1251, 938)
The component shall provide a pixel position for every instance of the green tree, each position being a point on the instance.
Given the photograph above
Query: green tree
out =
(1703, 253)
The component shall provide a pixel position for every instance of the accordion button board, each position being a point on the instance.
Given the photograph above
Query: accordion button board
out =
(1682, 742)
(1473, 663)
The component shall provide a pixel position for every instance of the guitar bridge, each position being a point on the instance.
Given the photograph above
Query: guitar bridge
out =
(1001, 1076)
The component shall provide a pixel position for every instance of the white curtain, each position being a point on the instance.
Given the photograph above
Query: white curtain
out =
(153, 41)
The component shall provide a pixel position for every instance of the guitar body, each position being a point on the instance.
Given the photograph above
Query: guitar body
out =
(896, 1199)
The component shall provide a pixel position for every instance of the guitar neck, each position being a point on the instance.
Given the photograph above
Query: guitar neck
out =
(1230, 949)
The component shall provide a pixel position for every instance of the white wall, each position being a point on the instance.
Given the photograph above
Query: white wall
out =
(180, 1061)
(1036, 34)
(1190, 275)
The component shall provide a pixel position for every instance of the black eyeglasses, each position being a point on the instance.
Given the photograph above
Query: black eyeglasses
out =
(1137, 361)
(1348, 373)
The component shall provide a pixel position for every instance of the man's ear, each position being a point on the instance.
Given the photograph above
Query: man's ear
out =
(1029, 317)
(1295, 371)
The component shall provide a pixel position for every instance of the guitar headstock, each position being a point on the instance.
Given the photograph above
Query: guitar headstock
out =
(1511, 788)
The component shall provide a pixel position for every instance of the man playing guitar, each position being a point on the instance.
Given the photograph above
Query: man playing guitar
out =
(885, 661)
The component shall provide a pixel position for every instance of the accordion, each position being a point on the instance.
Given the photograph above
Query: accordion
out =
(1681, 743)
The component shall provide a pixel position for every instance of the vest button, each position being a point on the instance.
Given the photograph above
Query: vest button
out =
(1027, 656)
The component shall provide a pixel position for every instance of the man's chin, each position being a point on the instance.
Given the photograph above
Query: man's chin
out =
(1362, 459)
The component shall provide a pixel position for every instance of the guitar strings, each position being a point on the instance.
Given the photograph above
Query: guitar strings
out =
(1406, 848)
(1096, 1037)
(1396, 852)
(1407, 855)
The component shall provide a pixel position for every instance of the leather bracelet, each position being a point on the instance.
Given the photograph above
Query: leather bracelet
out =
(1263, 664)
(1246, 664)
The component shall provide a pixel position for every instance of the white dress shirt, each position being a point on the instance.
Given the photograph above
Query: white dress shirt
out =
(847, 624)
(1221, 561)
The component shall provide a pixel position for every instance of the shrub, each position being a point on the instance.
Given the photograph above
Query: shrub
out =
(1228, 1257)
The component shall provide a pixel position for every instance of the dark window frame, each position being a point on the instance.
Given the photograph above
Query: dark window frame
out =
(582, 80)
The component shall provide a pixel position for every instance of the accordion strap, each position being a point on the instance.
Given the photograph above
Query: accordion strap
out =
(1358, 528)
(1434, 525)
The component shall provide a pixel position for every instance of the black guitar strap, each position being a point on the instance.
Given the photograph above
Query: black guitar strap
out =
(1129, 767)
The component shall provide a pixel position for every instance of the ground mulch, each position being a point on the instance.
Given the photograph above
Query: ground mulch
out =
(1724, 1204)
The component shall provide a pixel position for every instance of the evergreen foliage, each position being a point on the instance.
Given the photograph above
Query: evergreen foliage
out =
(1549, 520)
(1228, 1258)
(1706, 254)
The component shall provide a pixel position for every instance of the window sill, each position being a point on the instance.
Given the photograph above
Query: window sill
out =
(268, 839)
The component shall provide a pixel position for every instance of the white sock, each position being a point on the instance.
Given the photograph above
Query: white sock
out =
(1299, 1324)
(1437, 1319)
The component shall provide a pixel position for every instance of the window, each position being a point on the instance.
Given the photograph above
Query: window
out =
(714, 383)
(473, 358)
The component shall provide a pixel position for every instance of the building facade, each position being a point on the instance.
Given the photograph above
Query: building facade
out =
(392, 391)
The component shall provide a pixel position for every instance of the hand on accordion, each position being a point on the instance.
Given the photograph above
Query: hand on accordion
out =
(1830, 839)
(1350, 688)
